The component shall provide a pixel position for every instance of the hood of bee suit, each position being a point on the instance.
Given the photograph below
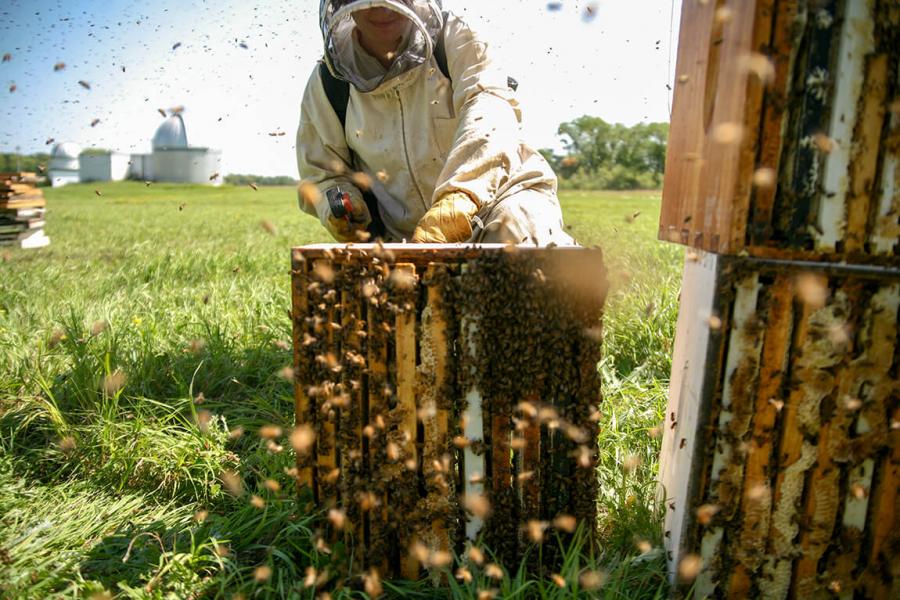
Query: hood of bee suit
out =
(349, 62)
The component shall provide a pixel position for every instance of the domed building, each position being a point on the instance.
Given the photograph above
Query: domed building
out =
(64, 164)
(171, 160)
(174, 160)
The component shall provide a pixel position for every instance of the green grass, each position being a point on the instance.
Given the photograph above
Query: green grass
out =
(156, 323)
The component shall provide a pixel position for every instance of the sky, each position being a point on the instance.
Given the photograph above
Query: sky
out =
(239, 68)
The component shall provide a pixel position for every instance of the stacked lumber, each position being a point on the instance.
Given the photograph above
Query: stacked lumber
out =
(22, 207)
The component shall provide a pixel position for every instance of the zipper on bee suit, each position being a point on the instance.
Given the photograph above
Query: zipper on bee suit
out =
(406, 150)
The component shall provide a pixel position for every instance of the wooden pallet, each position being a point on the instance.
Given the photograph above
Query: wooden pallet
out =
(440, 380)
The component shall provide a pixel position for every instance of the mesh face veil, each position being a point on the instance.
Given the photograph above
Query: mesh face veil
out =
(342, 52)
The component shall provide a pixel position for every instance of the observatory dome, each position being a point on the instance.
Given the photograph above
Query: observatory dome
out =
(171, 134)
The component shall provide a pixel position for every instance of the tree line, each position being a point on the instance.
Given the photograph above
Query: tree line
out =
(597, 155)
(609, 156)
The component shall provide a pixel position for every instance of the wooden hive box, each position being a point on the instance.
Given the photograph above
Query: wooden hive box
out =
(433, 382)
(785, 130)
(781, 453)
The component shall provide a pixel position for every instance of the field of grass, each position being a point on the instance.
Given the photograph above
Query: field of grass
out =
(153, 329)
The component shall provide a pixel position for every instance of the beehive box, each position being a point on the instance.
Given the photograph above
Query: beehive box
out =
(451, 392)
(785, 130)
(781, 453)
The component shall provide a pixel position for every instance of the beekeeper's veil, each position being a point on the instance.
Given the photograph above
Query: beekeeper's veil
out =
(342, 52)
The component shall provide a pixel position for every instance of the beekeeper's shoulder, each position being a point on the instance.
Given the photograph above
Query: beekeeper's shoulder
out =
(459, 34)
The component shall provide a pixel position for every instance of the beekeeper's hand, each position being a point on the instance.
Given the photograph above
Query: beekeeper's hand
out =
(448, 220)
(345, 230)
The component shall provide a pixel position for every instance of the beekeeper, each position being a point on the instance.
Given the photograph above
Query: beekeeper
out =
(409, 131)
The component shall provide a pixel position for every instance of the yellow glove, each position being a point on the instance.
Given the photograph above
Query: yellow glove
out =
(448, 220)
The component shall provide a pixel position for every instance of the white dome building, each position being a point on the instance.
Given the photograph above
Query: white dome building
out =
(171, 134)
(173, 160)
(64, 164)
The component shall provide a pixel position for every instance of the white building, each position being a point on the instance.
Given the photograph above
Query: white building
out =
(174, 160)
(108, 166)
(64, 164)
(171, 160)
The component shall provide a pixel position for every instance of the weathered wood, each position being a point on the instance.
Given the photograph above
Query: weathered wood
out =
(351, 449)
(303, 411)
(777, 140)
(756, 501)
(405, 335)
(376, 353)
(433, 381)
(377, 413)
(326, 439)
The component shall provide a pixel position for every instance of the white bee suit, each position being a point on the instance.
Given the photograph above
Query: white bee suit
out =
(419, 135)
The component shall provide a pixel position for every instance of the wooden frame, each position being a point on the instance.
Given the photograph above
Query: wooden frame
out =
(768, 155)
(424, 440)
(779, 466)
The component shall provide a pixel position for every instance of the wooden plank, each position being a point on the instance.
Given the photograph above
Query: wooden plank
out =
(377, 410)
(474, 471)
(882, 494)
(686, 410)
(791, 464)
(423, 254)
(756, 507)
(529, 457)
(715, 117)
(405, 336)
(353, 469)
(784, 51)
(740, 374)
(326, 441)
(303, 408)
(863, 163)
(857, 44)
(823, 496)
(433, 374)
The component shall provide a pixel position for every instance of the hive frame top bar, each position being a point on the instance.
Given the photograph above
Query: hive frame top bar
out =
(424, 253)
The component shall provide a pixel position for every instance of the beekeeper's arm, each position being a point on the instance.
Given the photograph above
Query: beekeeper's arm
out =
(324, 162)
(485, 149)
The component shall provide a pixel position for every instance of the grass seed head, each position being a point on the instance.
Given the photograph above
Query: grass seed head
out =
(233, 482)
